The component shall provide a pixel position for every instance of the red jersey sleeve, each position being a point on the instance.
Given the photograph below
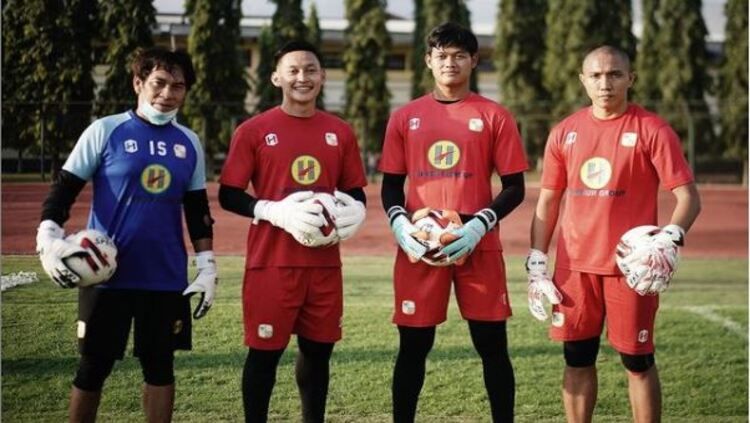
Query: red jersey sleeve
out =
(240, 162)
(666, 156)
(393, 159)
(353, 175)
(509, 156)
(554, 174)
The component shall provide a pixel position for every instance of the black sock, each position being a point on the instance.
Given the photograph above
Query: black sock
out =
(312, 373)
(408, 374)
(258, 378)
(491, 342)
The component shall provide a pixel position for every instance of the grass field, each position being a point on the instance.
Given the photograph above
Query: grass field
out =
(702, 351)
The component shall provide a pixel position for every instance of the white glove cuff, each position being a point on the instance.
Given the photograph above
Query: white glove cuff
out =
(205, 259)
(676, 233)
(51, 227)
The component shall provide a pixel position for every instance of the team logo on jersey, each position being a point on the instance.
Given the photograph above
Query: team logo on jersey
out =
(408, 307)
(596, 172)
(131, 146)
(443, 154)
(177, 327)
(413, 124)
(272, 139)
(265, 331)
(180, 151)
(476, 125)
(558, 319)
(570, 138)
(643, 336)
(628, 139)
(306, 170)
(156, 178)
(332, 139)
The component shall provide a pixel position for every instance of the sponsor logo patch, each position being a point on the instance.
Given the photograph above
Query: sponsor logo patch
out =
(177, 328)
(643, 336)
(558, 319)
(180, 151)
(596, 172)
(156, 178)
(570, 137)
(413, 124)
(272, 139)
(131, 146)
(443, 154)
(408, 307)
(305, 170)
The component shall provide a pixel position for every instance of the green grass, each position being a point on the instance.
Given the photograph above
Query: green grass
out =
(703, 364)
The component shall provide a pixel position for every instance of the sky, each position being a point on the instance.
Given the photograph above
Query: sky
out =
(482, 11)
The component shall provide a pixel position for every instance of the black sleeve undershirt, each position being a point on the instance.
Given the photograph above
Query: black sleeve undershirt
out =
(511, 195)
(62, 195)
(236, 200)
(198, 214)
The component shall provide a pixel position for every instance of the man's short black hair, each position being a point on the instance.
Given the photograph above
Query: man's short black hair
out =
(450, 34)
(296, 45)
(147, 60)
(612, 51)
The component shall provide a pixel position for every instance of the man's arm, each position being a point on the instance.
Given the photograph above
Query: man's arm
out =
(545, 218)
(688, 206)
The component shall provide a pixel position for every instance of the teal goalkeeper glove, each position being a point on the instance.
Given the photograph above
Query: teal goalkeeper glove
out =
(403, 229)
(469, 235)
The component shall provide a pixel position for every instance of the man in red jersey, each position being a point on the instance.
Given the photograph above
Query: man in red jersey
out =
(448, 144)
(287, 153)
(610, 159)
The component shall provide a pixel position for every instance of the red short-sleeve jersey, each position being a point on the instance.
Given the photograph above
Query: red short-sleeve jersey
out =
(611, 170)
(449, 151)
(281, 154)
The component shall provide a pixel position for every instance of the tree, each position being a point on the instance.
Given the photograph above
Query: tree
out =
(574, 27)
(218, 95)
(56, 52)
(287, 24)
(519, 42)
(646, 88)
(315, 37)
(126, 25)
(418, 66)
(682, 73)
(733, 81)
(367, 97)
(437, 12)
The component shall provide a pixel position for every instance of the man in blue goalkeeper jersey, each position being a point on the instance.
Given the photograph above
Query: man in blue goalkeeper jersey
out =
(146, 170)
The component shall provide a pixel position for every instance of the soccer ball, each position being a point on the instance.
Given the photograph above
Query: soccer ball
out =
(327, 234)
(101, 261)
(434, 231)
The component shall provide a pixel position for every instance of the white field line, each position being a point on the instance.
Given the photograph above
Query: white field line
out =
(708, 313)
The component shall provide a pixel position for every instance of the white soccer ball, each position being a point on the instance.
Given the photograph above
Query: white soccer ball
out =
(434, 228)
(101, 261)
(327, 234)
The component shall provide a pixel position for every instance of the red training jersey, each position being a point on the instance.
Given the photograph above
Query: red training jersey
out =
(449, 151)
(282, 154)
(611, 170)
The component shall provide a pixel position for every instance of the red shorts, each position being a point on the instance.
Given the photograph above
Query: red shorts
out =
(422, 291)
(589, 300)
(279, 301)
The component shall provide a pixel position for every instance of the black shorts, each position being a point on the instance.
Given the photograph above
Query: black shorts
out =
(162, 322)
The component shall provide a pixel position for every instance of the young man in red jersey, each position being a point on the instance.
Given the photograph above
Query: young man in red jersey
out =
(610, 159)
(287, 153)
(448, 143)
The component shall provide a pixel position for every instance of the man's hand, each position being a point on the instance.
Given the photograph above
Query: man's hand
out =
(541, 286)
(53, 249)
(205, 282)
(294, 213)
(665, 255)
(403, 229)
(350, 214)
(469, 235)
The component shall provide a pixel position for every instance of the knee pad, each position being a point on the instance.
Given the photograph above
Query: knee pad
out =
(581, 353)
(158, 370)
(92, 372)
(637, 363)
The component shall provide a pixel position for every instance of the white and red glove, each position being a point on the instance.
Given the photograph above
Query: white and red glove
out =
(541, 286)
(53, 249)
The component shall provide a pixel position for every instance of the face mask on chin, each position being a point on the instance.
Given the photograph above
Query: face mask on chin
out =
(154, 116)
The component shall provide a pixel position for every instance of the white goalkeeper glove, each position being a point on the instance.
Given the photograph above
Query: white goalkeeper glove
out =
(205, 282)
(294, 213)
(350, 214)
(53, 249)
(541, 286)
(403, 230)
(665, 255)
